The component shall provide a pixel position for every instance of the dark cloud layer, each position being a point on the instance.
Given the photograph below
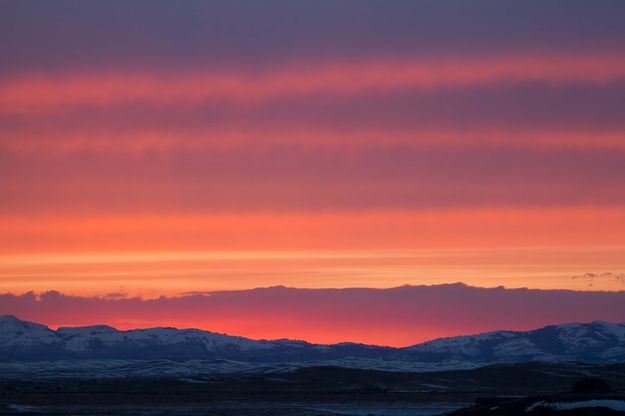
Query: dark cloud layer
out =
(69, 34)
(500, 106)
(591, 278)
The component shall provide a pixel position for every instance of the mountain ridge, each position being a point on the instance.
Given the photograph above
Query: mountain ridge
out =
(598, 341)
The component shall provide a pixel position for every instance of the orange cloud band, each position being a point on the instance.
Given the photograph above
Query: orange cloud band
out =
(385, 229)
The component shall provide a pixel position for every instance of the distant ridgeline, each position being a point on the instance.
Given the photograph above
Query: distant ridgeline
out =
(598, 342)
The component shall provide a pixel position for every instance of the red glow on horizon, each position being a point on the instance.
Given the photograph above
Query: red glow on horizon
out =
(204, 147)
(374, 316)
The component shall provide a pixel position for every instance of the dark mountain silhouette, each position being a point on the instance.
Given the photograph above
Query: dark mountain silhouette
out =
(590, 342)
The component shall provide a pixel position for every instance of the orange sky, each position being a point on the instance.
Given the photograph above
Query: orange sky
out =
(170, 156)
(169, 254)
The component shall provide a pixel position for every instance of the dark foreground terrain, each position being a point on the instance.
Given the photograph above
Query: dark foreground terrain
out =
(312, 391)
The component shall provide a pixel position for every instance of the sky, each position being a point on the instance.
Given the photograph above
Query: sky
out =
(156, 148)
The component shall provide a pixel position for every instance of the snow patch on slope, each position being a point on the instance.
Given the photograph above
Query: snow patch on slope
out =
(617, 405)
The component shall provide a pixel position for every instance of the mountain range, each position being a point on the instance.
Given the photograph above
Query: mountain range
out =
(597, 342)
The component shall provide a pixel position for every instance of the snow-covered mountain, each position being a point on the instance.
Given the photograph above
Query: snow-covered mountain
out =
(591, 342)
(21, 340)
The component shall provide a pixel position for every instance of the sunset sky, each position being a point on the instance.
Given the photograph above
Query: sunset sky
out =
(153, 148)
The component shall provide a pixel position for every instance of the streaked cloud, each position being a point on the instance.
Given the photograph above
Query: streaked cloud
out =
(52, 94)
